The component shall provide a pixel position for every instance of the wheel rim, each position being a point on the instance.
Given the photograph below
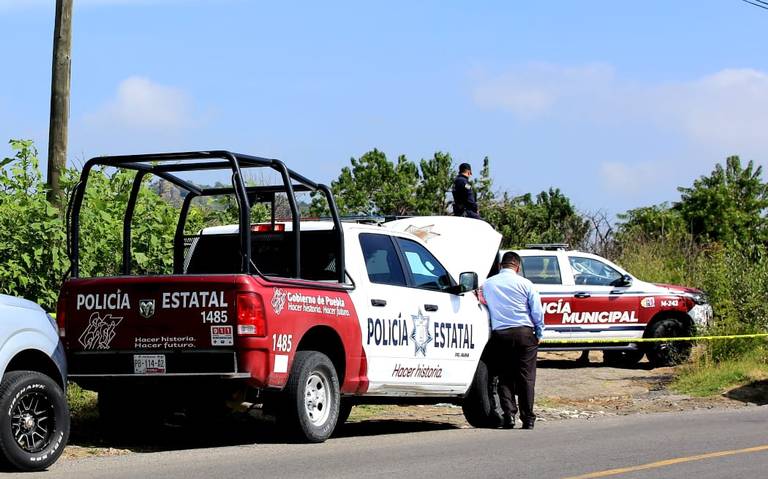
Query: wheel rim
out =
(33, 421)
(317, 398)
(671, 352)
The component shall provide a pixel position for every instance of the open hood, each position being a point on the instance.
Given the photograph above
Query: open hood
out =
(461, 244)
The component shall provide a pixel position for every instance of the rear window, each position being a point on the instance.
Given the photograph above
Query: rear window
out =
(272, 254)
(541, 269)
(381, 260)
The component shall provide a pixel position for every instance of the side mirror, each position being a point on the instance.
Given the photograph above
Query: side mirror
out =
(625, 280)
(468, 281)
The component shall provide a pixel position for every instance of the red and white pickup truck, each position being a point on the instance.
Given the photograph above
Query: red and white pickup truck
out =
(304, 317)
(590, 302)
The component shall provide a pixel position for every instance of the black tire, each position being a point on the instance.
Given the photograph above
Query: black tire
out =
(310, 408)
(34, 426)
(622, 359)
(481, 405)
(668, 353)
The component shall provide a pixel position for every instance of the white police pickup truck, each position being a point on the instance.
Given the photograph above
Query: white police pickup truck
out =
(34, 418)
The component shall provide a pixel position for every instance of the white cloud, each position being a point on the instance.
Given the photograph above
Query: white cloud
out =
(540, 88)
(141, 104)
(629, 179)
(727, 109)
(712, 116)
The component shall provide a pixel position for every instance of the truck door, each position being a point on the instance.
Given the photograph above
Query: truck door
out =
(450, 330)
(382, 301)
(600, 308)
(544, 271)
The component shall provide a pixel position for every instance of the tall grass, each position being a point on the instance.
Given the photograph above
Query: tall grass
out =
(736, 282)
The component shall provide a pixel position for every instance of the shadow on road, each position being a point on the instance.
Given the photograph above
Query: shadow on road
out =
(755, 392)
(234, 430)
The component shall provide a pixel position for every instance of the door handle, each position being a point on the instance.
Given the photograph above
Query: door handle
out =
(378, 302)
(582, 295)
(430, 307)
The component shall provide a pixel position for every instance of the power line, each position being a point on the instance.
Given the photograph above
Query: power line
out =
(757, 3)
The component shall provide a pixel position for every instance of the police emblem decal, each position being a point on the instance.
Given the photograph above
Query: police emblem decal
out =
(420, 333)
(146, 308)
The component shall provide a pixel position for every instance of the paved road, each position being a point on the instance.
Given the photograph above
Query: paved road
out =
(555, 449)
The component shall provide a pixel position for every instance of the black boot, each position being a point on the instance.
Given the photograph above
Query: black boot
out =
(508, 422)
(528, 423)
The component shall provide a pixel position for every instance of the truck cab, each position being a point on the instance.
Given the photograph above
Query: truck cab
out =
(306, 317)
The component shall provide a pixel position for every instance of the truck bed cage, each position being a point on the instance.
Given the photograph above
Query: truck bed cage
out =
(164, 165)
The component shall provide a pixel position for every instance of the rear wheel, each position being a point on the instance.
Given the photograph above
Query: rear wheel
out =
(481, 405)
(34, 425)
(311, 407)
(622, 359)
(668, 353)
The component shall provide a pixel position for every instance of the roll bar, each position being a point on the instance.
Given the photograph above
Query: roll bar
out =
(165, 165)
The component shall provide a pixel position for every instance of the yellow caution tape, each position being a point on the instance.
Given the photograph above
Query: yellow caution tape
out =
(652, 340)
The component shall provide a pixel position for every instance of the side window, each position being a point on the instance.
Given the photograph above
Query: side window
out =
(591, 272)
(426, 271)
(541, 269)
(381, 260)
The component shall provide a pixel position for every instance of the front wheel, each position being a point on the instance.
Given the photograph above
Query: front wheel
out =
(34, 425)
(311, 408)
(668, 353)
(481, 405)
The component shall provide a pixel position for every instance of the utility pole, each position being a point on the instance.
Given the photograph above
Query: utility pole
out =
(60, 82)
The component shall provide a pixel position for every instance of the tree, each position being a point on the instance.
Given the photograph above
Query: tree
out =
(374, 186)
(727, 206)
(435, 185)
(60, 82)
(551, 218)
(484, 187)
(656, 222)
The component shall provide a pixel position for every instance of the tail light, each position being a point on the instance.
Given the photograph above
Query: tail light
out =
(267, 228)
(61, 307)
(251, 320)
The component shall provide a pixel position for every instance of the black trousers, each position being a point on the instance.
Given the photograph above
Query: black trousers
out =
(515, 364)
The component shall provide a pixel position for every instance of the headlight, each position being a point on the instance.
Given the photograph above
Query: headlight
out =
(699, 298)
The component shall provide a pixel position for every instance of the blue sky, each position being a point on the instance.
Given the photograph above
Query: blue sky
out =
(616, 103)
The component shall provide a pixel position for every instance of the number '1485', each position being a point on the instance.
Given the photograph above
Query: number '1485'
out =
(282, 342)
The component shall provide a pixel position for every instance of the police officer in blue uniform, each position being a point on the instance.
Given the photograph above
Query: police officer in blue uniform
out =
(464, 202)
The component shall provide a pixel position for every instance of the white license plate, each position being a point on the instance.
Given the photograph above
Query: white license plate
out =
(149, 364)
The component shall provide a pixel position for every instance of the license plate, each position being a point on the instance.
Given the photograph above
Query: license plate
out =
(149, 364)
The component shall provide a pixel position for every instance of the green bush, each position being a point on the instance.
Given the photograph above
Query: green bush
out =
(33, 252)
(33, 255)
(736, 282)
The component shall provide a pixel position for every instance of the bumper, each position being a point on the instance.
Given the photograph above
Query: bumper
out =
(701, 314)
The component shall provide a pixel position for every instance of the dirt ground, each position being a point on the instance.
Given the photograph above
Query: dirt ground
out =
(566, 389)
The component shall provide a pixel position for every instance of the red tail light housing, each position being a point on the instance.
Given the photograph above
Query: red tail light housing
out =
(267, 228)
(251, 320)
